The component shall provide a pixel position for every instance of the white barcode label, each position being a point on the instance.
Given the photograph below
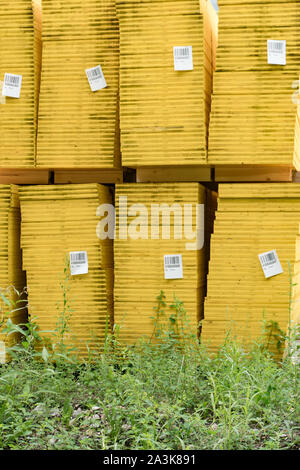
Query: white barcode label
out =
(183, 58)
(79, 262)
(96, 78)
(276, 52)
(270, 263)
(173, 266)
(12, 85)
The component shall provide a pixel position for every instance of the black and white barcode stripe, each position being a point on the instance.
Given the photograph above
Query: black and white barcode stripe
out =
(276, 46)
(182, 52)
(78, 258)
(94, 74)
(173, 261)
(268, 259)
(12, 80)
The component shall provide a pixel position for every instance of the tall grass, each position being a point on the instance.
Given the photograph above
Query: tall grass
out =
(167, 393)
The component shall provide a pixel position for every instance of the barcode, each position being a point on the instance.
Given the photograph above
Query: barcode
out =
(181, 52)
(12, 80)
(276, 46)
(173, 261)
(94, 74)
(78, 258)
(268, 259)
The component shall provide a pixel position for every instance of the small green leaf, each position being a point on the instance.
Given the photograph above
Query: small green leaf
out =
(45, 354)
(5, 300)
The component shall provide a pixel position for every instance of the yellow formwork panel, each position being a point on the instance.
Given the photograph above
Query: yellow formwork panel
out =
(246, 334)
(164, 114)
(57, 220)
(252, 219)
(20, 53)
(254, 113)
(139, 263)
(11, 275)
(78, 127)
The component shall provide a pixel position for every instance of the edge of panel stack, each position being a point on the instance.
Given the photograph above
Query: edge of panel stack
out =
(58, 234)
(12, 278)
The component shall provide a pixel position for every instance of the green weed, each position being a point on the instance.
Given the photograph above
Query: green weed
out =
(163, 394)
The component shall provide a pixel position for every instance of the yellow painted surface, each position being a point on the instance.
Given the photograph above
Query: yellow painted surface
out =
(252, 219)
(164, 114)
(78, 127)
(11, 274)
(20, 53)
(139, 264)
(55, 221)
(253, 118)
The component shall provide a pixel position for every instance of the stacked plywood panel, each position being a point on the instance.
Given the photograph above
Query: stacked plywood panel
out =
(11, 274)
(253, 114)
(140, 246)
(252, 219)
(164, 114)
(78, 127)
(20, 54)
(58, 220)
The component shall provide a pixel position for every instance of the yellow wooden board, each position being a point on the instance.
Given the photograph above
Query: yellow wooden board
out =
(57, 220)
(139, 263)
(252, 219)
(79, 128)
(164, 114)
(20, 53)
(11, 275)
(254, 114)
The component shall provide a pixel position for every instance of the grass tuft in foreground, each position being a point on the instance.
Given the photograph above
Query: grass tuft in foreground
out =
(167, 394)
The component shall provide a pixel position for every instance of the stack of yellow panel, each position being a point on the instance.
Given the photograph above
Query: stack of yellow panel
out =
(164, 114)
(78, 127)
(253, 108)
(57, 221)
(11, 274)
(20, 54)
(252, 219)
(143, 238)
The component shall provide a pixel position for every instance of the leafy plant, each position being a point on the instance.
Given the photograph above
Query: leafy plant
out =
(158, 395)
(171, 327)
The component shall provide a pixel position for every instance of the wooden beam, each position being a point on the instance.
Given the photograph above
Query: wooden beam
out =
(24, 176)
(173, 174)
(108, 175)
(248, 174)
